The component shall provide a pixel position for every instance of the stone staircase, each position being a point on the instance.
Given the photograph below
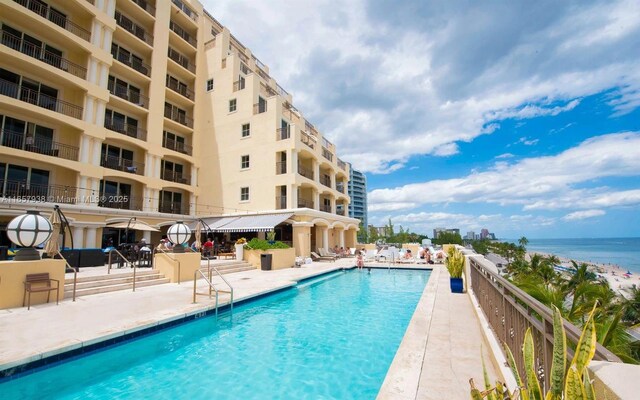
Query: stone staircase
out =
(111, 283)
(229, 267)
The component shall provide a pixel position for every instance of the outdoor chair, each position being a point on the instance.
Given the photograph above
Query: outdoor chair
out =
(317, 257)
(325, 253)
(36, 283)
(370, 255)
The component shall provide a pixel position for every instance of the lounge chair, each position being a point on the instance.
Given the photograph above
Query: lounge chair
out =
(370, 255)
(325, 253)
(317, 257)
(384, 253)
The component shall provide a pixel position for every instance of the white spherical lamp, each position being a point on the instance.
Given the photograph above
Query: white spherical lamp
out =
(29, 230)
(179, 234)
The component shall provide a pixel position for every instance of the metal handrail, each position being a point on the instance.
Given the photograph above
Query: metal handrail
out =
(211, 286)
(163, 251)
(75, 273)
(223, 279)
(132, 264)
(57, 18)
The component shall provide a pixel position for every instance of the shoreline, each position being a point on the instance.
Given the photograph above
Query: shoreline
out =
(613, 273)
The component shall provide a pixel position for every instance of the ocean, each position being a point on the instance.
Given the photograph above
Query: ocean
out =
(624, 252)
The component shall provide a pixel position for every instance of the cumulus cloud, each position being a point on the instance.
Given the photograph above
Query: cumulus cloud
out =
(578, 215)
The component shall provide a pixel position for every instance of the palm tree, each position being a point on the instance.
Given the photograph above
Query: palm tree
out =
(523, 241)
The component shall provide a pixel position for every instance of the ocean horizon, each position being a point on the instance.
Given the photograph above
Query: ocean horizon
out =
(624, 252)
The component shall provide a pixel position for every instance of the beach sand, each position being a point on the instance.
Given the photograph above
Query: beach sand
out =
(611, 272)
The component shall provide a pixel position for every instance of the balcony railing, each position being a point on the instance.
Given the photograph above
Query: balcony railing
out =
(178, 30)
(126, 129)
(325, 208)
(340, 187)
(305, 203)
(267, 91)
(281, 167)
(281, 91)
(39, 99)
(283, 133)
(342, 164)
(510, 312)
(132, 62)
(57, 18)
(18, 140)
(183, 90)
(182, 60)
(122, 164)
(173, 176)
(325, 180)
(121, 202)
(146, 6)
(306, 139)
(181, 118)
(281, 202)
(43, 55)
(133, 28)
(259, 108)
(305, 172)
(189, 13)
(21, 192)
(174, 207)
(180, 147)
(244, 69)
(238, 85)
(327, 154)
(132, 96)
(340, 211)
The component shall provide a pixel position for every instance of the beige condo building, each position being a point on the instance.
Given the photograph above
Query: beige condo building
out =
(116, 109)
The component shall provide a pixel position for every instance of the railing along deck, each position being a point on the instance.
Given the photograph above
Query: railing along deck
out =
(510, 311)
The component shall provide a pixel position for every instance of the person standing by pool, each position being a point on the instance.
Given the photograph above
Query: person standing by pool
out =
(360, 259)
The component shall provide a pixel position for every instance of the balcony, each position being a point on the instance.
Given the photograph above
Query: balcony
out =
(173, 176)
(238, 85)
(122, 164)
(182, 60)
(185, 9)
(325, 208)
(325, 180)
(342, 164)
(132, 96)
(340, 212)
(41, 100)
(307, 139)
(305, 172)
(327, 154)
(120, 202)
(283, 133)
(180, 147)
(126, 129)
(259, 108)
(54, 16)
(281, 202)
(133, 28)
(45, 56)
(178, 116)
(146, 6)
(132, 61)
(267, 91)
(178, 30)
(174, 207)
(18, 140)
(302, 203)
(20, 192)
(181, 89)
(281, 167)
(340, 187)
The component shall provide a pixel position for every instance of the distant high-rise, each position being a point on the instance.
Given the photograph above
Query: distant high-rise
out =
(358, 193)
(471, 235)
(484, 233)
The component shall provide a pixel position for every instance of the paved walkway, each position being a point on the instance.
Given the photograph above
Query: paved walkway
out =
(438, 355)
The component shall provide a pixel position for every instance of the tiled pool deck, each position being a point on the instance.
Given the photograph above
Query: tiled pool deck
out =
(438, 355)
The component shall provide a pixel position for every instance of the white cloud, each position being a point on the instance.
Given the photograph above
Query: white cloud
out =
(578, 215)
(505, 155)
(528, 142)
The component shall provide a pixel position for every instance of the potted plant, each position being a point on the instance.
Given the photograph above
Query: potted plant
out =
(271, 237)
(455, 266)
(240, 248)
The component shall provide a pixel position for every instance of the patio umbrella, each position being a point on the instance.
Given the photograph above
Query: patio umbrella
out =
(134, 225)
(198, 234)
(52, 246)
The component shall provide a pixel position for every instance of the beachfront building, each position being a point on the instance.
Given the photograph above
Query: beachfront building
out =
(437, 231)
(358, 196)
(154, 110)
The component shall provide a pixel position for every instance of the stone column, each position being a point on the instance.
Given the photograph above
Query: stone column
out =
(91, 240)
(325, 237)
(341, 237)
(78, 236)
(302, 240)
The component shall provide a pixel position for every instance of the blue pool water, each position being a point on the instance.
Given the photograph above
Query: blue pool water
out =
(333, 338)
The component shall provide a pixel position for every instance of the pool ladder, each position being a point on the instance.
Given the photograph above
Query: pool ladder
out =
(212, 287)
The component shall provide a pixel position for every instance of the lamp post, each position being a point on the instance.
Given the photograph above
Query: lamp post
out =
(29, 230)
(179, 234)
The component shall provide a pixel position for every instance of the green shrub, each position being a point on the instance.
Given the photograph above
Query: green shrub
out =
(260, 244)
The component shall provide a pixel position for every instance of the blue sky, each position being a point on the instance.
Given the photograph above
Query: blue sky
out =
(519, 117)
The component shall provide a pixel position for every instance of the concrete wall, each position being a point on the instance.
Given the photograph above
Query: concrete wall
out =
(281, 258)
(12, 277)
(177, 267)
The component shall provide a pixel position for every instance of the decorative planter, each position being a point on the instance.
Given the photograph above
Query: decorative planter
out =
(239, 251)
(456, 285)
(281, 258)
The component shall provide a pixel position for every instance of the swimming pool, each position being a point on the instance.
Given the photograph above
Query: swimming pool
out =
(333, 337)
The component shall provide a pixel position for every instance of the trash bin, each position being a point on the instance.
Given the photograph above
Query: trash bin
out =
(265, 262)
(4, 253)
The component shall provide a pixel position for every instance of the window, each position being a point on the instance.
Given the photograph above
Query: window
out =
(246, 130)
(244, 194)
(244, 162)
(232, 105)
(209, 85)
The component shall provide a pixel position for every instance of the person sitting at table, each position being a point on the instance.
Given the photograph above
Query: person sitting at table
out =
(207, 248)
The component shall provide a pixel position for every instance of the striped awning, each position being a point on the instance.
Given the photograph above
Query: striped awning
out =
(251, 223)
(213, 222)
